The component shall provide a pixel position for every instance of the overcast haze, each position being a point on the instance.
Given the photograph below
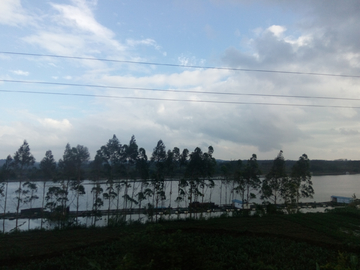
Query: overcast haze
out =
(298, 36)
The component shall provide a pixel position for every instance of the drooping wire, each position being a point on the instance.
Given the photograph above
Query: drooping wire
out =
(182, 100)
(177, 90)
(183, 66)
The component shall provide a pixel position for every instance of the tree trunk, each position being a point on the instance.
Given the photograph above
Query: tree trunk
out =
(42, 206)
(6, 190)
(18, 206)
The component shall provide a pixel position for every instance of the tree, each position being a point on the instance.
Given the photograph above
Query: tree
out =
(81, 156)
(226, 179)
(142, 167)
(210, 164)
(251, 176)
(97, 172)
(56, 198)
(274, 181)
(97, 202)
(171, 164)
(48, 169)
(71, 168)
(200, 167)
(6, 172)
(29, 190)
(301, 179)
(182, 184)
(67, 169)
(129, 157)
(23, 162)
(110, 156)
(239, 180)
(158, 158)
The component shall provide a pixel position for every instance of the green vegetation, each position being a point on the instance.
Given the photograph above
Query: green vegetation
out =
(296, 241)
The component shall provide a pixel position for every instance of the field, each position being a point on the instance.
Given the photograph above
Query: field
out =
(299, 241)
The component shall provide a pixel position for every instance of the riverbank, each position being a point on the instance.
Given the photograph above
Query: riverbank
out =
(297, 241)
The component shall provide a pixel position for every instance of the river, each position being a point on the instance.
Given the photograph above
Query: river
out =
(324, 187)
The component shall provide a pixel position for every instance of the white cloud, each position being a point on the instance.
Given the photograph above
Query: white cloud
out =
(80, 16)
(58, 43)
(63, 125)
(20, 72)
(186, 78)
(12, 13)
(75, 31)
(277, 30)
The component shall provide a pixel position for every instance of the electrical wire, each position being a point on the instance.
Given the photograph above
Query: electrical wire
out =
(183, 66)
(176, 90)
(182, 100)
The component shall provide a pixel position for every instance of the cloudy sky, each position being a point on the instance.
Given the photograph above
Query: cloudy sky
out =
(238, 110)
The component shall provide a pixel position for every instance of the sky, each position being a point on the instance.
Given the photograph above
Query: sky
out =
(190, 73)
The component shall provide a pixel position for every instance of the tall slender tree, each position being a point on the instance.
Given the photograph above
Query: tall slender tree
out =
(67, 169)
(182, 182)
(29, 190)
(158, 158)
(273, 184)
(97, 173)
(6, 172)
(201, 166)
(23, 163)
(301, 179)
(111, 155)
(48, 169)
(251, 176)
(81, 156)
(142, 167)
(131, 152)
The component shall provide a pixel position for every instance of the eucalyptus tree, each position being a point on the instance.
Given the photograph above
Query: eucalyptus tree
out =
(29, 190)
(239, 180)
(97, 173)
(6, 173)
(48, 169)
(3, 193)
(23, 163)
(2, 190)
(226, 180)
(142, 167)
(81, 156)
(194, 173)
(251, 175)
(158, 159)
(209, 164)
(300, 178)
(110, 156)
(273, 184)
(67, 170)
(97, 190)
(171, 164)
(130, 155)
(182, 183)
(56, 197)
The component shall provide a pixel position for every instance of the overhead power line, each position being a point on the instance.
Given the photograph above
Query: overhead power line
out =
(182, 100)
(183, 66)
(176, 91)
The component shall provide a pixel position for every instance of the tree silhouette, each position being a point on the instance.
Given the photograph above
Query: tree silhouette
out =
(273, 184)
(48, 169)
(301, 179)
(23, 162)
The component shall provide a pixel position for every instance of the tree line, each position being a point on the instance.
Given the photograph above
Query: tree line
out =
(123, 173)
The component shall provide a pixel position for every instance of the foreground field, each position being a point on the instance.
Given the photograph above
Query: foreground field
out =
(300, 241)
